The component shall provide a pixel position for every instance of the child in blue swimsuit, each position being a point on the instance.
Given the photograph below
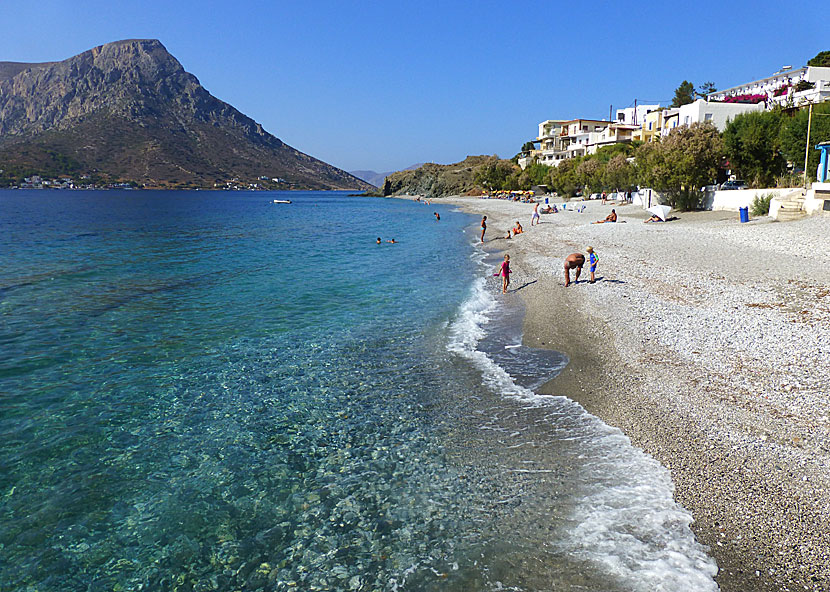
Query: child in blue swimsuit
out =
(593, 259)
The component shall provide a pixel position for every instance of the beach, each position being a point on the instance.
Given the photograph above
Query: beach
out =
(706, 342)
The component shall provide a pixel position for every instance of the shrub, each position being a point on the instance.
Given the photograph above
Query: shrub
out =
(760, 205)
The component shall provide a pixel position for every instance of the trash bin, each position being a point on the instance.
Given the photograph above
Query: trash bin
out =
(744, 212)
(546, 201)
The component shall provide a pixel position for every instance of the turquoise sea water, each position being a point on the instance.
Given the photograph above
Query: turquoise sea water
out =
(208, 391)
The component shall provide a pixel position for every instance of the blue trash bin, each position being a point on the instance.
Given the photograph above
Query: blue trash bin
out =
(744, 212)
(546, 201)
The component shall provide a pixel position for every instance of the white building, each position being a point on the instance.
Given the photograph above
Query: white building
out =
(716, 113)
(809, 84)
(635, 116)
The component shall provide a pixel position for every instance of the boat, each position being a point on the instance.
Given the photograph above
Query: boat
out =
(282, 201)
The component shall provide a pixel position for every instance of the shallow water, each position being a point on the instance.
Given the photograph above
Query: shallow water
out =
(207, 391)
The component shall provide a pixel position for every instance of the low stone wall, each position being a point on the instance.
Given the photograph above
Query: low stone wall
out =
(733, 199)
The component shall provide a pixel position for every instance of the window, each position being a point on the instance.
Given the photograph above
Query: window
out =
(686, 120)
(649, 126)
(584, 128)
(707, 117)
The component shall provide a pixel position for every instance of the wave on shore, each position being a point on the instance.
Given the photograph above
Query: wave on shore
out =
(617, 517)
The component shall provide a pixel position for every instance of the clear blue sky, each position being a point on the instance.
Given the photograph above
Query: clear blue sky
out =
(383, 85)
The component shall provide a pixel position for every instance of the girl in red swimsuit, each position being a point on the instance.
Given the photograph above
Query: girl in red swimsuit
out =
(504, 272)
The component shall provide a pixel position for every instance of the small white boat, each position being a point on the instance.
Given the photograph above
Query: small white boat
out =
(282, 201)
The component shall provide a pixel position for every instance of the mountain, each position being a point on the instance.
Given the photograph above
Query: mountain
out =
(377, 179)
(129, 111)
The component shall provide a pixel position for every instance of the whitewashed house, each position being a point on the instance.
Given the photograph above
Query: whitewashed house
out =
(635, 115)
(810, 84)
(715, 113)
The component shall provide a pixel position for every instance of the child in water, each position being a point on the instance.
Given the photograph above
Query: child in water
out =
(593, 259)
(504, 272)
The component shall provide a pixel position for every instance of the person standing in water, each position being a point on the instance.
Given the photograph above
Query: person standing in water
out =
(593, 259)
(483, 227)
(504, 272)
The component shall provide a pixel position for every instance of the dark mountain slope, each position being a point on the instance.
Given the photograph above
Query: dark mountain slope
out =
(130, 111)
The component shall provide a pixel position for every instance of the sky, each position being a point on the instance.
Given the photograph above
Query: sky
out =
(384, 85)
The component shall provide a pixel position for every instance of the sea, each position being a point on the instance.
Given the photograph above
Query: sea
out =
(205, 390)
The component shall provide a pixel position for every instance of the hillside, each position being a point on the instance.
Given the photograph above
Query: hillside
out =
(129, 111)
(438, 180)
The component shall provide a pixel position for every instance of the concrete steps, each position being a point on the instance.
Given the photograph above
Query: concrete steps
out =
(792, 207)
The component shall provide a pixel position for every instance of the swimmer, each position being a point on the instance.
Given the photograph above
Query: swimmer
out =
(391, 241)
(379, 241)
(437, 217)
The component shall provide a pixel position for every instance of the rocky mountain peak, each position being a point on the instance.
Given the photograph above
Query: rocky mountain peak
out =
(130, 107)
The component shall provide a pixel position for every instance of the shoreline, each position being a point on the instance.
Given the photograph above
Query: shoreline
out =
(747, 454)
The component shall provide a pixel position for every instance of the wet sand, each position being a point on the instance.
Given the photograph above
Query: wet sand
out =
(707, 342)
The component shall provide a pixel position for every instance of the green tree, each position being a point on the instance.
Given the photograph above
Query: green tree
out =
(618, 173)
(821, 60)
(753, 146)
(794, 136)
(495, 174)
(527, 146)
(534, 174)
(589, 174)
(682, 162)
(684, 94)
(563, 177)
(707, 88)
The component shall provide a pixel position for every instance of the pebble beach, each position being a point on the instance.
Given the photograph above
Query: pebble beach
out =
(707, 342)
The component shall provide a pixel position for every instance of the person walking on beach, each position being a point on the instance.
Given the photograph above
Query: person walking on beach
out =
(504, 272)
(483, 227)
(593, 259)
(573, 261)
(535, 219)
(437, 217)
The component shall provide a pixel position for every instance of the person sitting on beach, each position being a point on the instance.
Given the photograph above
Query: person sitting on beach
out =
(517, 229)
(549, 210)
(573, 261)
(612, 217)
(654, 218)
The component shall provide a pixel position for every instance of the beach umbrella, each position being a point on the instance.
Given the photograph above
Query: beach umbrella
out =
(661, 212)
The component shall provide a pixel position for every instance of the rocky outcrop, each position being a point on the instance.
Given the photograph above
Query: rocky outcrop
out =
(438, 180)
(129, 109)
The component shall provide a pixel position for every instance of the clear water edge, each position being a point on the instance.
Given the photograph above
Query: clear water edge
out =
(211, 393)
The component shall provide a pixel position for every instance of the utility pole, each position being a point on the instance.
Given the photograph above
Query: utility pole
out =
(807, 147)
